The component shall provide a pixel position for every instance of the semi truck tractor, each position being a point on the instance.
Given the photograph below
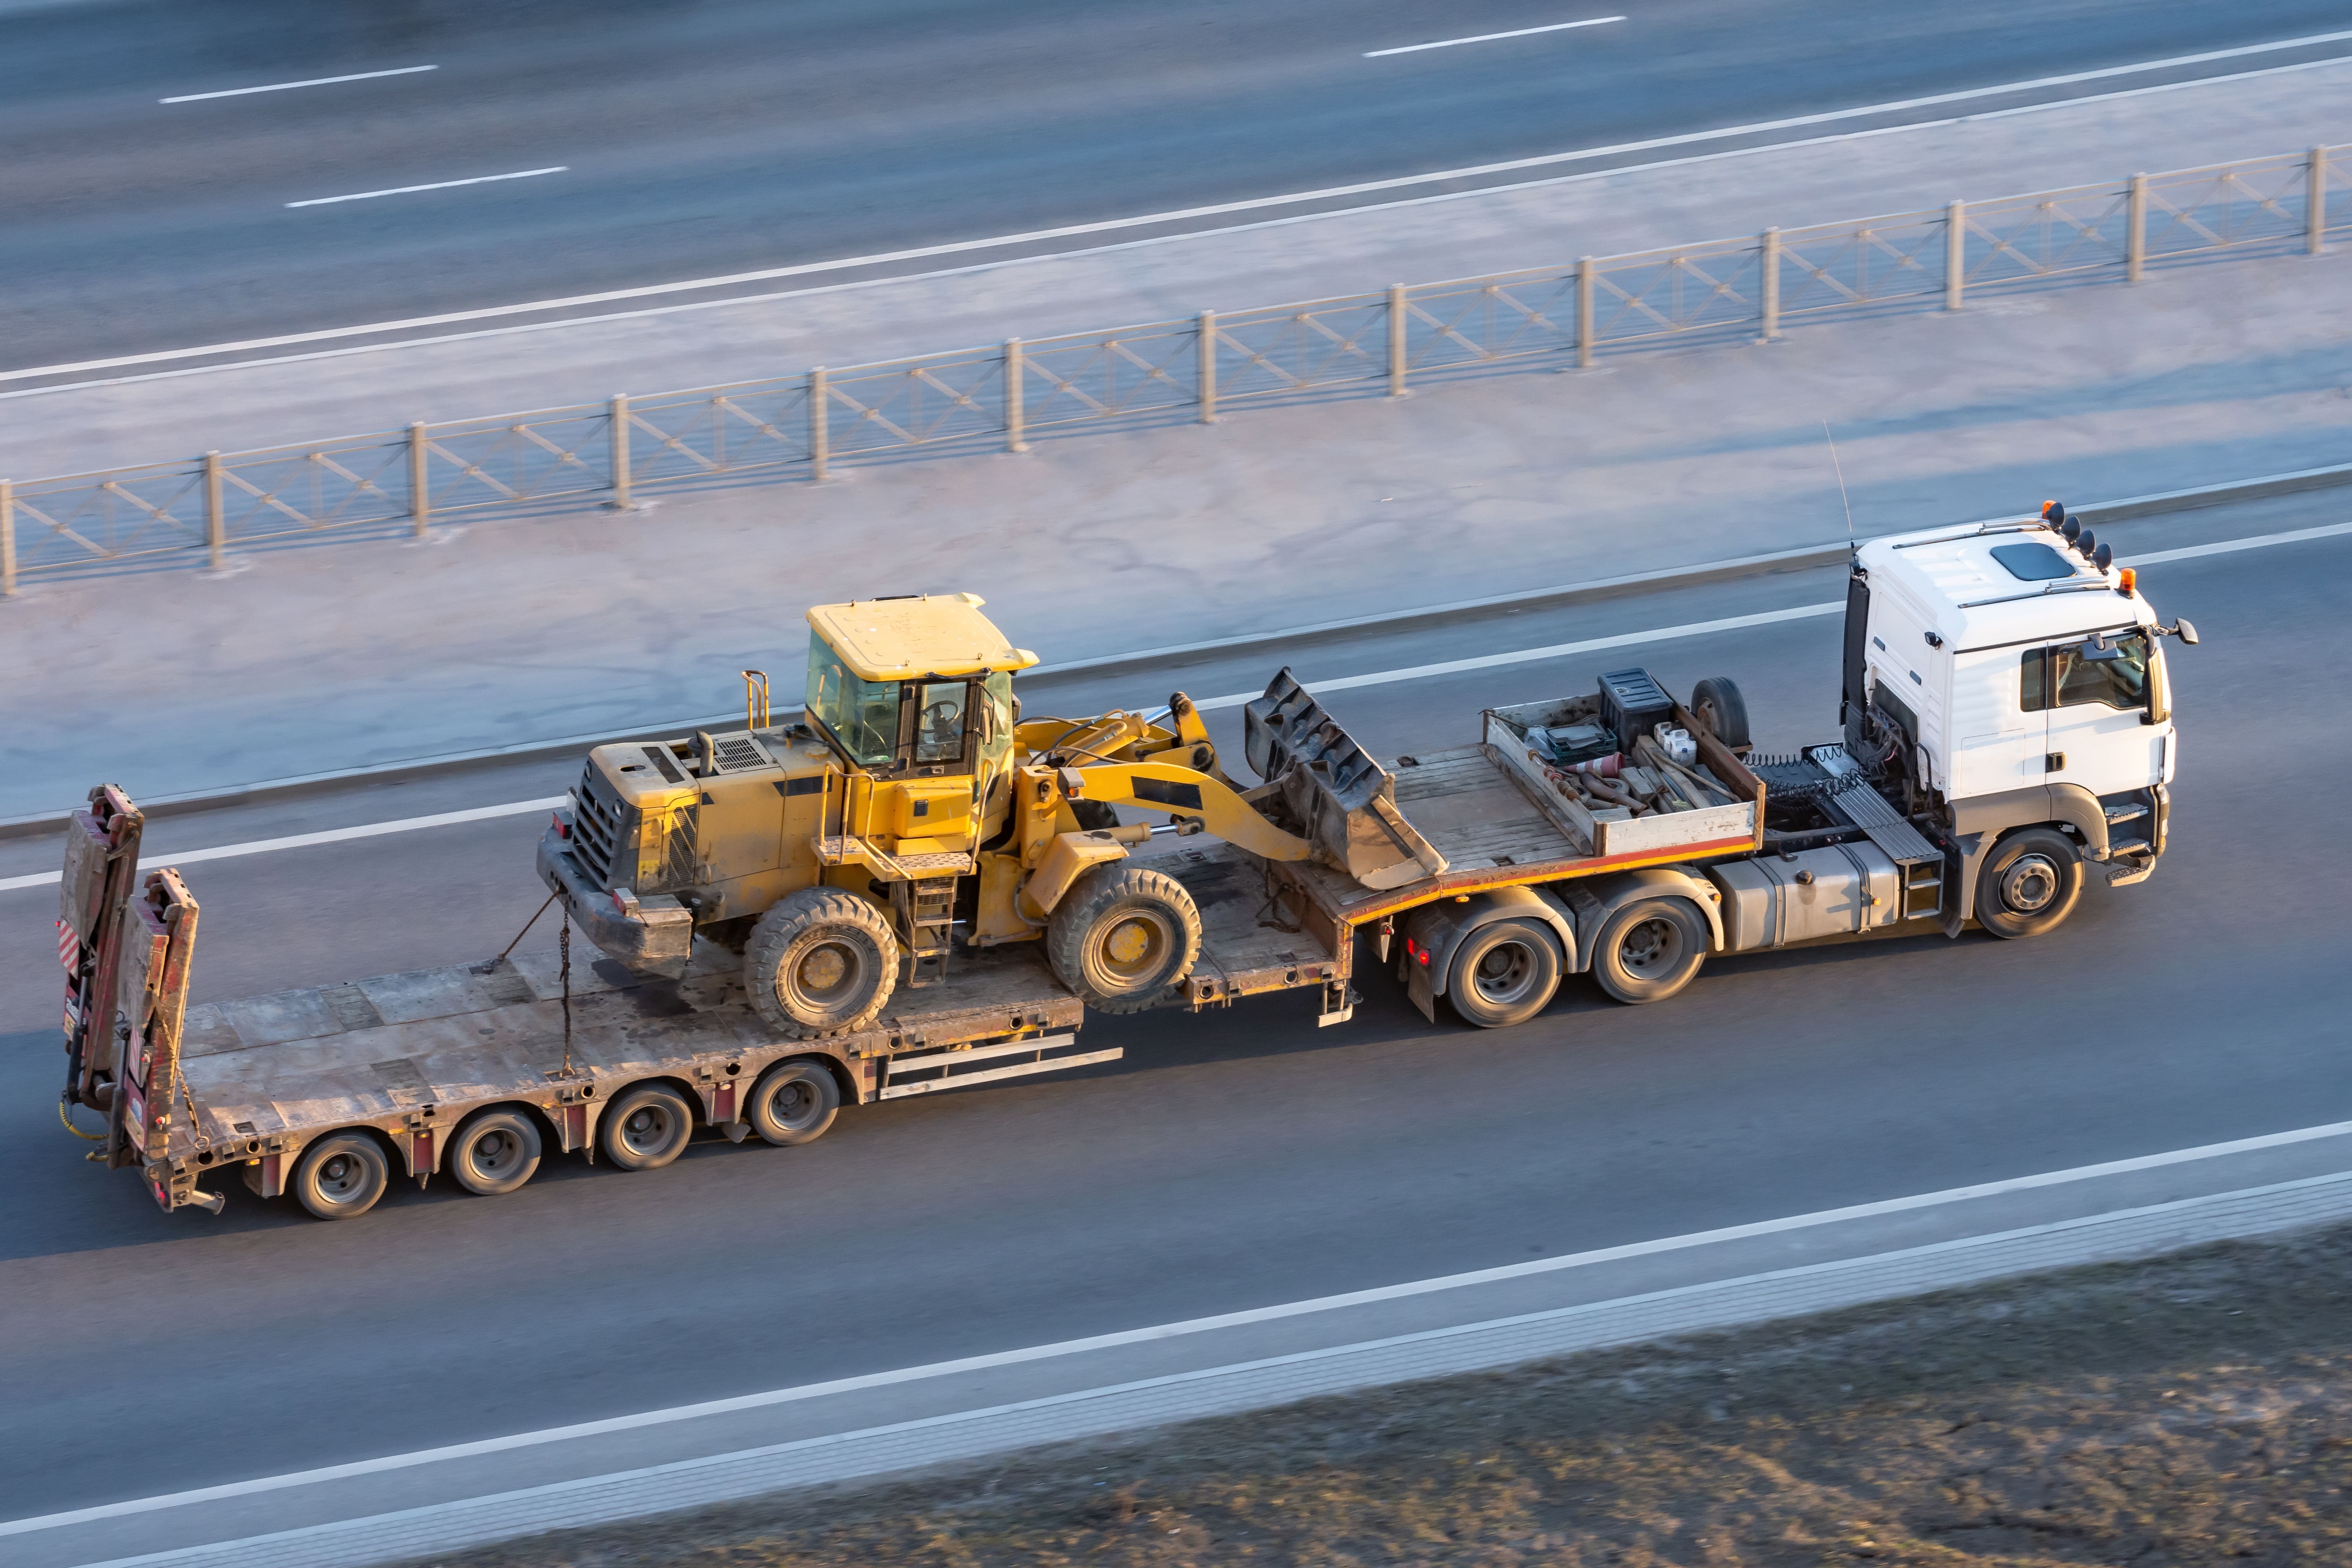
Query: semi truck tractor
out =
(909, 888)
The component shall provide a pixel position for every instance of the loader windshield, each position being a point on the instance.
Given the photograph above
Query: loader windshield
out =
(862, 715)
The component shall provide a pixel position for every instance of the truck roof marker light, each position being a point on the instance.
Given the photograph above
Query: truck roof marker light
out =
(2126, 579)
(2072, 530)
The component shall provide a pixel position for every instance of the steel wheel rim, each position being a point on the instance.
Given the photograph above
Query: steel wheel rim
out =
(1651, 946)
(496, 1150)
(341, 1176)
(1134, 946)
(2029, 884)
(828, 972)
(645, 1129)
(1505, 972)
(793, 1104)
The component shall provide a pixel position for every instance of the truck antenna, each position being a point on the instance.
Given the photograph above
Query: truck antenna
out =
(1838, 468)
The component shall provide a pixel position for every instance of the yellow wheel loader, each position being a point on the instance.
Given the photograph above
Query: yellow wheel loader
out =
(911, 810)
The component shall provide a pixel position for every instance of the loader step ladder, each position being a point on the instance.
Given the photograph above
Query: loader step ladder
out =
(1919, 864)
(927, 1072)
(927, 910)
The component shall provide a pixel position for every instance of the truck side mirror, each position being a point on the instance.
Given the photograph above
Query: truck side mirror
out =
(2187, 633)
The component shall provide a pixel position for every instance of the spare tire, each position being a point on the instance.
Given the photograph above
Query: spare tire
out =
(1717, 703)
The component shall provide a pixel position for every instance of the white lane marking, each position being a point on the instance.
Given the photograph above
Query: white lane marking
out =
(304, 840)
(2231, 546)
(1189, 1326)
(1556, 650)
(1337, 683)
(436, 186)
(1490, 37)
(1113, 225)
(289, 85)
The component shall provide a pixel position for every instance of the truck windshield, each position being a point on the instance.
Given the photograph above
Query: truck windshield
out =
(863, 715)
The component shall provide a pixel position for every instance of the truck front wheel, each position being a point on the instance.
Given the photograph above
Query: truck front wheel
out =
(1123, 938)
(2029, 884)
(821, 961)
(1503, 973)
(1650, 950)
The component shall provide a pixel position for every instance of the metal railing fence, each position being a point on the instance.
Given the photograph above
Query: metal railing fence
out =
(1721, 290)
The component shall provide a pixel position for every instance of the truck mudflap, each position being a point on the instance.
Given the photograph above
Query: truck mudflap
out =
(1345, 801)
(654, 933)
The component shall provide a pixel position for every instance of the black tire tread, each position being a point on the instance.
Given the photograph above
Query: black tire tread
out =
(1095, 893)
(1722, 693)
(785, 920)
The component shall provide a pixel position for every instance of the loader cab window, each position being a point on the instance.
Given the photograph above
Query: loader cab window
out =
(861, 716)
(996, 719)
(939, 722)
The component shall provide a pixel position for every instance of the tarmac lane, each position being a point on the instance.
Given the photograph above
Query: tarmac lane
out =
(1227, 1161)
(178, 177)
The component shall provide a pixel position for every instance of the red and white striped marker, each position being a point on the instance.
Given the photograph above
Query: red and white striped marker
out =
(69, 947)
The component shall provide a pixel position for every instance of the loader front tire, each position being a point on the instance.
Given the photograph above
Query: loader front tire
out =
(820, 963)
(1124, 938)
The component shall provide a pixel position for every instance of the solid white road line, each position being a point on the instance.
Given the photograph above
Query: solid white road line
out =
(1189, 1326)
(1337, 683)
(436, 186)
(304, 840)
(1490, 37)
(1556, 650)
(287, 86)
(1180, 215)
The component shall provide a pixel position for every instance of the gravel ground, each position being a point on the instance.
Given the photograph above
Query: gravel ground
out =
(2194, 1410)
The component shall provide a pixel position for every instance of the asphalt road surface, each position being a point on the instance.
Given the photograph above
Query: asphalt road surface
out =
(667, 142)
(1229, 1161)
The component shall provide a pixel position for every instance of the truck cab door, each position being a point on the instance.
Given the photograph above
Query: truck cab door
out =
(2001, 742)
(2096, 711)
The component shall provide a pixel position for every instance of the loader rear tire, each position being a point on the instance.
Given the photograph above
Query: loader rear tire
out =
(1124, 938)
(820, 963)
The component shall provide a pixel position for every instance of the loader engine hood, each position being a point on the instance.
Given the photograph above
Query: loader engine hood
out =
(1344, 802)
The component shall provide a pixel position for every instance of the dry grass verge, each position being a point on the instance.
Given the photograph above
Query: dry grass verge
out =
(2195, 1410)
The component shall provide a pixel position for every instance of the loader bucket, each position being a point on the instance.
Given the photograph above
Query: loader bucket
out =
(1345, 801)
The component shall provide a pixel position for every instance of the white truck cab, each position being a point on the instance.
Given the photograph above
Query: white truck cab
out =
(2022, 677)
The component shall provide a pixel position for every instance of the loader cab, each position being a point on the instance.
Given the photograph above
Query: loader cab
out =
(913, 687)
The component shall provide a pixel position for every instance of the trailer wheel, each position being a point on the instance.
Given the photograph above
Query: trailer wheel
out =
(1503, 973)
(1649, 951)
(1124, 937)
(645, 1129)
(821, 961)
(341, 1177)
(1717, 702)
(495, 1152)
(2029, 884)
(796, 1103)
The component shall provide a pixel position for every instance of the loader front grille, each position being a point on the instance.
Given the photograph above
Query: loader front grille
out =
(602, 826)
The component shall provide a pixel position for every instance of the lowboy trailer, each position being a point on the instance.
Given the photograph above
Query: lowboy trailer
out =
(2007, 722)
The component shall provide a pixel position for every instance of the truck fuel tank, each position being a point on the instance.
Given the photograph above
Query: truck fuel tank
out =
(1771, 900)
